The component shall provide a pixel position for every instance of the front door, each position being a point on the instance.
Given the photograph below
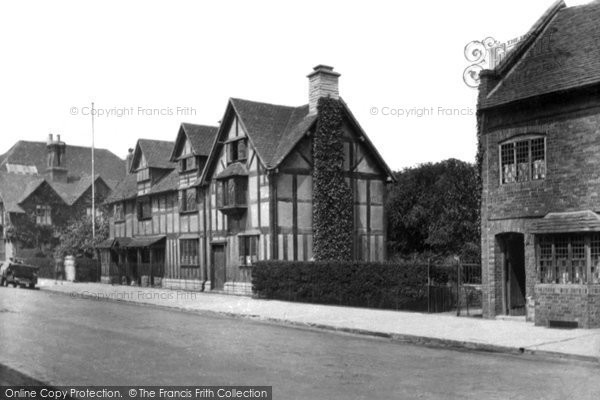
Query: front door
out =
(514, 274)
(218, 267)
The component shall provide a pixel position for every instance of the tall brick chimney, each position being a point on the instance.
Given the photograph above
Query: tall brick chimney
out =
(322, 82)
(56, 167)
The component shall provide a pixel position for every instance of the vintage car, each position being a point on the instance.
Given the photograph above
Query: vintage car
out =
(18, 274)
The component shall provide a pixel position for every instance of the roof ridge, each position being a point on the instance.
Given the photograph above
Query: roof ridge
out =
(265, 103)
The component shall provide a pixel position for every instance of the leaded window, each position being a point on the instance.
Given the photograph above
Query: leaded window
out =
(523, 160)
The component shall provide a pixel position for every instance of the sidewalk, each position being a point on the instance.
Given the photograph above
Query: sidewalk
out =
(428, 329)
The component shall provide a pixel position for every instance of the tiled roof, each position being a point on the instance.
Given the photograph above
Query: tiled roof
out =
(562, 52)
(78, 160)
(167, 184)
(126, 189)
(562, 222)
(201, 137)
(275, 130)
(15, 188)
(272, 127)
(157, 153)
(71, 192)
(235, 169)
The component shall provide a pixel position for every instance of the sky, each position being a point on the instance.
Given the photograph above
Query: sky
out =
(150, 65)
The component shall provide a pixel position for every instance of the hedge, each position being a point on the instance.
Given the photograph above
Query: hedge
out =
(360, 284)
(86, 268)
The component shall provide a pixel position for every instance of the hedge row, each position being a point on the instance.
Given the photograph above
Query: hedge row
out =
(86, 269)
(360, 284)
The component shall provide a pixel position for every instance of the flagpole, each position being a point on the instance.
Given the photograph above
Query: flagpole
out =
(93, 182)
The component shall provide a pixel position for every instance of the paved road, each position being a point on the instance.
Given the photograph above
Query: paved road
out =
(64, 341)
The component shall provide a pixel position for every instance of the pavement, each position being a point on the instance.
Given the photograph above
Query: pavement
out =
(436, 330)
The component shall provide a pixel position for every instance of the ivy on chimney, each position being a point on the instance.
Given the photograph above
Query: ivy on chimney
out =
(332, 201)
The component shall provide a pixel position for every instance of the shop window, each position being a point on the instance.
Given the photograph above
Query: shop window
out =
(248, 250)
(562, 258)
(189, 253)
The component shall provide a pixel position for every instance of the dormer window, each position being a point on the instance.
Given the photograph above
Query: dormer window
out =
(237, 150)
(188, 164)
(523, 160)
(143, 175)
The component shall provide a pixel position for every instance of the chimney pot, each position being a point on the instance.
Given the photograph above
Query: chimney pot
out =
(322, 82)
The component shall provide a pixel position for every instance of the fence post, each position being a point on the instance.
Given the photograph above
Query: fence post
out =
(458, 279)
(428, 285)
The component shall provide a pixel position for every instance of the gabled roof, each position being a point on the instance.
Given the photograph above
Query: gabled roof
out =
(561, 52)
(78, 160)
(275, 130)
(16, 188)
(201, 138)
(71, 192)
(156, 152)
(269, 126)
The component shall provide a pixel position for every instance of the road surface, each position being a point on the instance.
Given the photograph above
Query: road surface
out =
(61, 340)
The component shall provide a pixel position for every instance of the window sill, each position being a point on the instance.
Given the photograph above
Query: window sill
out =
(189, 266)
(187, 212)
(145, 219)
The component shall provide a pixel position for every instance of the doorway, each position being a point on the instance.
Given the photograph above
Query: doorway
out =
(513, 274)
(218, 276)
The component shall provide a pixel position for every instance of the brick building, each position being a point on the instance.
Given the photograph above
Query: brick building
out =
(239, 193)
(539, 133)
(44, 185)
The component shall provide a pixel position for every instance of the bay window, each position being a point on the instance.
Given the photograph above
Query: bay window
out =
(563, 258)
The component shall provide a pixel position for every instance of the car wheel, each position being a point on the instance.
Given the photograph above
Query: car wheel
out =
(32, 286)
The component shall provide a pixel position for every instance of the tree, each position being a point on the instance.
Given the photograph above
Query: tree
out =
(76, 237)
(434, 208)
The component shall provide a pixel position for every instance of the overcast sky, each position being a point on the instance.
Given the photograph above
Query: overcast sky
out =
(186, 58)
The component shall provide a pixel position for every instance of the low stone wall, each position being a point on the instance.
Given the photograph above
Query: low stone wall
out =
(567, 303)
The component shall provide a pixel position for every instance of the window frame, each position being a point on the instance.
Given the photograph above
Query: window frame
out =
(514, 144)
(119, 212)
(235, 144)
(184, 199)
(568, 258)
(232, 188)
(43, 214)
(141, 202)
(187, 246)
(143, 174)
(248, 250)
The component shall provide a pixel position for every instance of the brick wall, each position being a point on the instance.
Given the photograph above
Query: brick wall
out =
(568, 303)
(572, 183)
